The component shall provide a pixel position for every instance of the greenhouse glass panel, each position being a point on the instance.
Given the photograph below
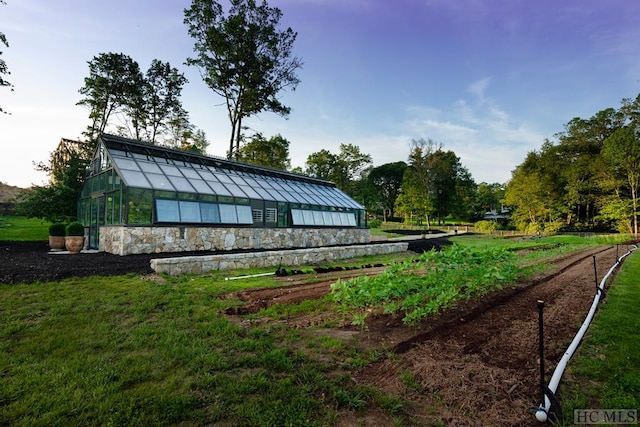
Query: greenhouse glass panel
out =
(328, 218)
(280, 197)
(238, 179)
(250, 192)
(135, 179)
(201, 186)
(236, 191)
(228, 214)
(167, 210)
(209, 213)
(219, 189)
(245, 215)
(170, 170)
(296, 216)
(318, 218)
(308, 217)
(160, 182)
(126, 163)
(149, 167)
(190, 173)
(181, 184)
(265, 195)
(223, 178)
(189, 211)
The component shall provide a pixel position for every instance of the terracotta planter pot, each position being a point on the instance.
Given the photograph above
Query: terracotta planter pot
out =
(56, 243)
(74, 244)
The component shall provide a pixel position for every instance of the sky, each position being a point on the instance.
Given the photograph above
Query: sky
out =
(488, 79)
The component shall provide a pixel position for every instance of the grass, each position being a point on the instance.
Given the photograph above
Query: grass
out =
(605, 373)
(130, 350)
(17, 228)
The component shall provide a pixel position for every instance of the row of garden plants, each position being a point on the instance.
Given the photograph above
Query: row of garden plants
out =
(432, 282)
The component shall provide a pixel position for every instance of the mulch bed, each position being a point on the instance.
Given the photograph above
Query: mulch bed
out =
(29, 262)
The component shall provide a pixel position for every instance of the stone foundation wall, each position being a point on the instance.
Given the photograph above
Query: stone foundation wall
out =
(292, 257)
(123, 240)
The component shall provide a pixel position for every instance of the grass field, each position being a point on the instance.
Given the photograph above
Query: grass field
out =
(16, 228)
(133, 350)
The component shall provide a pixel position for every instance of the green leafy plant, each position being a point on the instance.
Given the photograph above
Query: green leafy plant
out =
(436, 281)
(75, 229)
(57, 229)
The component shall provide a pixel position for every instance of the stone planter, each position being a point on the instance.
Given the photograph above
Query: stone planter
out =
(74, 244)
(56, 243)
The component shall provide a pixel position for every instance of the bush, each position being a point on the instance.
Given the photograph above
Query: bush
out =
(75, 229)
(485, 225)
(57, 229)
(375, 223)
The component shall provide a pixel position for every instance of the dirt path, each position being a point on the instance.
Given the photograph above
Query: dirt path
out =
(477, 364)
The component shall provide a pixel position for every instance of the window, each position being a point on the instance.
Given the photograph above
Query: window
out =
(272, 215)
(189, 211)
(167, 210)
(257, 216)
(209, 213)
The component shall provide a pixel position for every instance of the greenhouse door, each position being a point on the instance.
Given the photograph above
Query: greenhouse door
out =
(96, 220)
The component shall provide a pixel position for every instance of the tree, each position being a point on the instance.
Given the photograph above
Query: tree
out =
(343, 169)
(243, 57)
(162, 90)
(272, 152)
(114, 81)
(386, 180)
(57, 201)
(148, 106)
(622, 153)
(4, 70)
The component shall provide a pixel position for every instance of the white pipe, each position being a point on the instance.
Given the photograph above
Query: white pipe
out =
(250, 276)
(557, 374)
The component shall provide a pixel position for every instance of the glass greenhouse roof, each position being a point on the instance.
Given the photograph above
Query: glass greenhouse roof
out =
(149, 166)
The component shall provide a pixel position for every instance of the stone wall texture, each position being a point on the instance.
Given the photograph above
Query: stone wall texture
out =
(123, 240)
(287, 258)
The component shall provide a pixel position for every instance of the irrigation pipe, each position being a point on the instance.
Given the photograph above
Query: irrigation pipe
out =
(541, 413)
(250, 276)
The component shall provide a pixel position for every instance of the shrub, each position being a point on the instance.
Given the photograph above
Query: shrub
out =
(75, 229)
(375, 223)
(485, 225)
(57, 229)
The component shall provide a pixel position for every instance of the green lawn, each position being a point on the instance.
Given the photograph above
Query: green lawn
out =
(19, 228)
(130, 351)
(605, 373)
(134, 350)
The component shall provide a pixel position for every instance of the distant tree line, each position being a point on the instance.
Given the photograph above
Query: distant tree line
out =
(588, 179)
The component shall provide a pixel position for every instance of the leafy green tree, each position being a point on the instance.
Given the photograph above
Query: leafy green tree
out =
(243, 57)
(161, 95)
(488, 197)
(4, 70)
(344, 169)
(58, 201)
(272, 152)
(622, 154)
(114, 82)
(386, 182)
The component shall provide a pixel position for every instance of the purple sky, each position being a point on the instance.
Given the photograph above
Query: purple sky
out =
(490, 80)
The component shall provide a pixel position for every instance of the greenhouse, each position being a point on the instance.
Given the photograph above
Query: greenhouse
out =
(143, 198)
